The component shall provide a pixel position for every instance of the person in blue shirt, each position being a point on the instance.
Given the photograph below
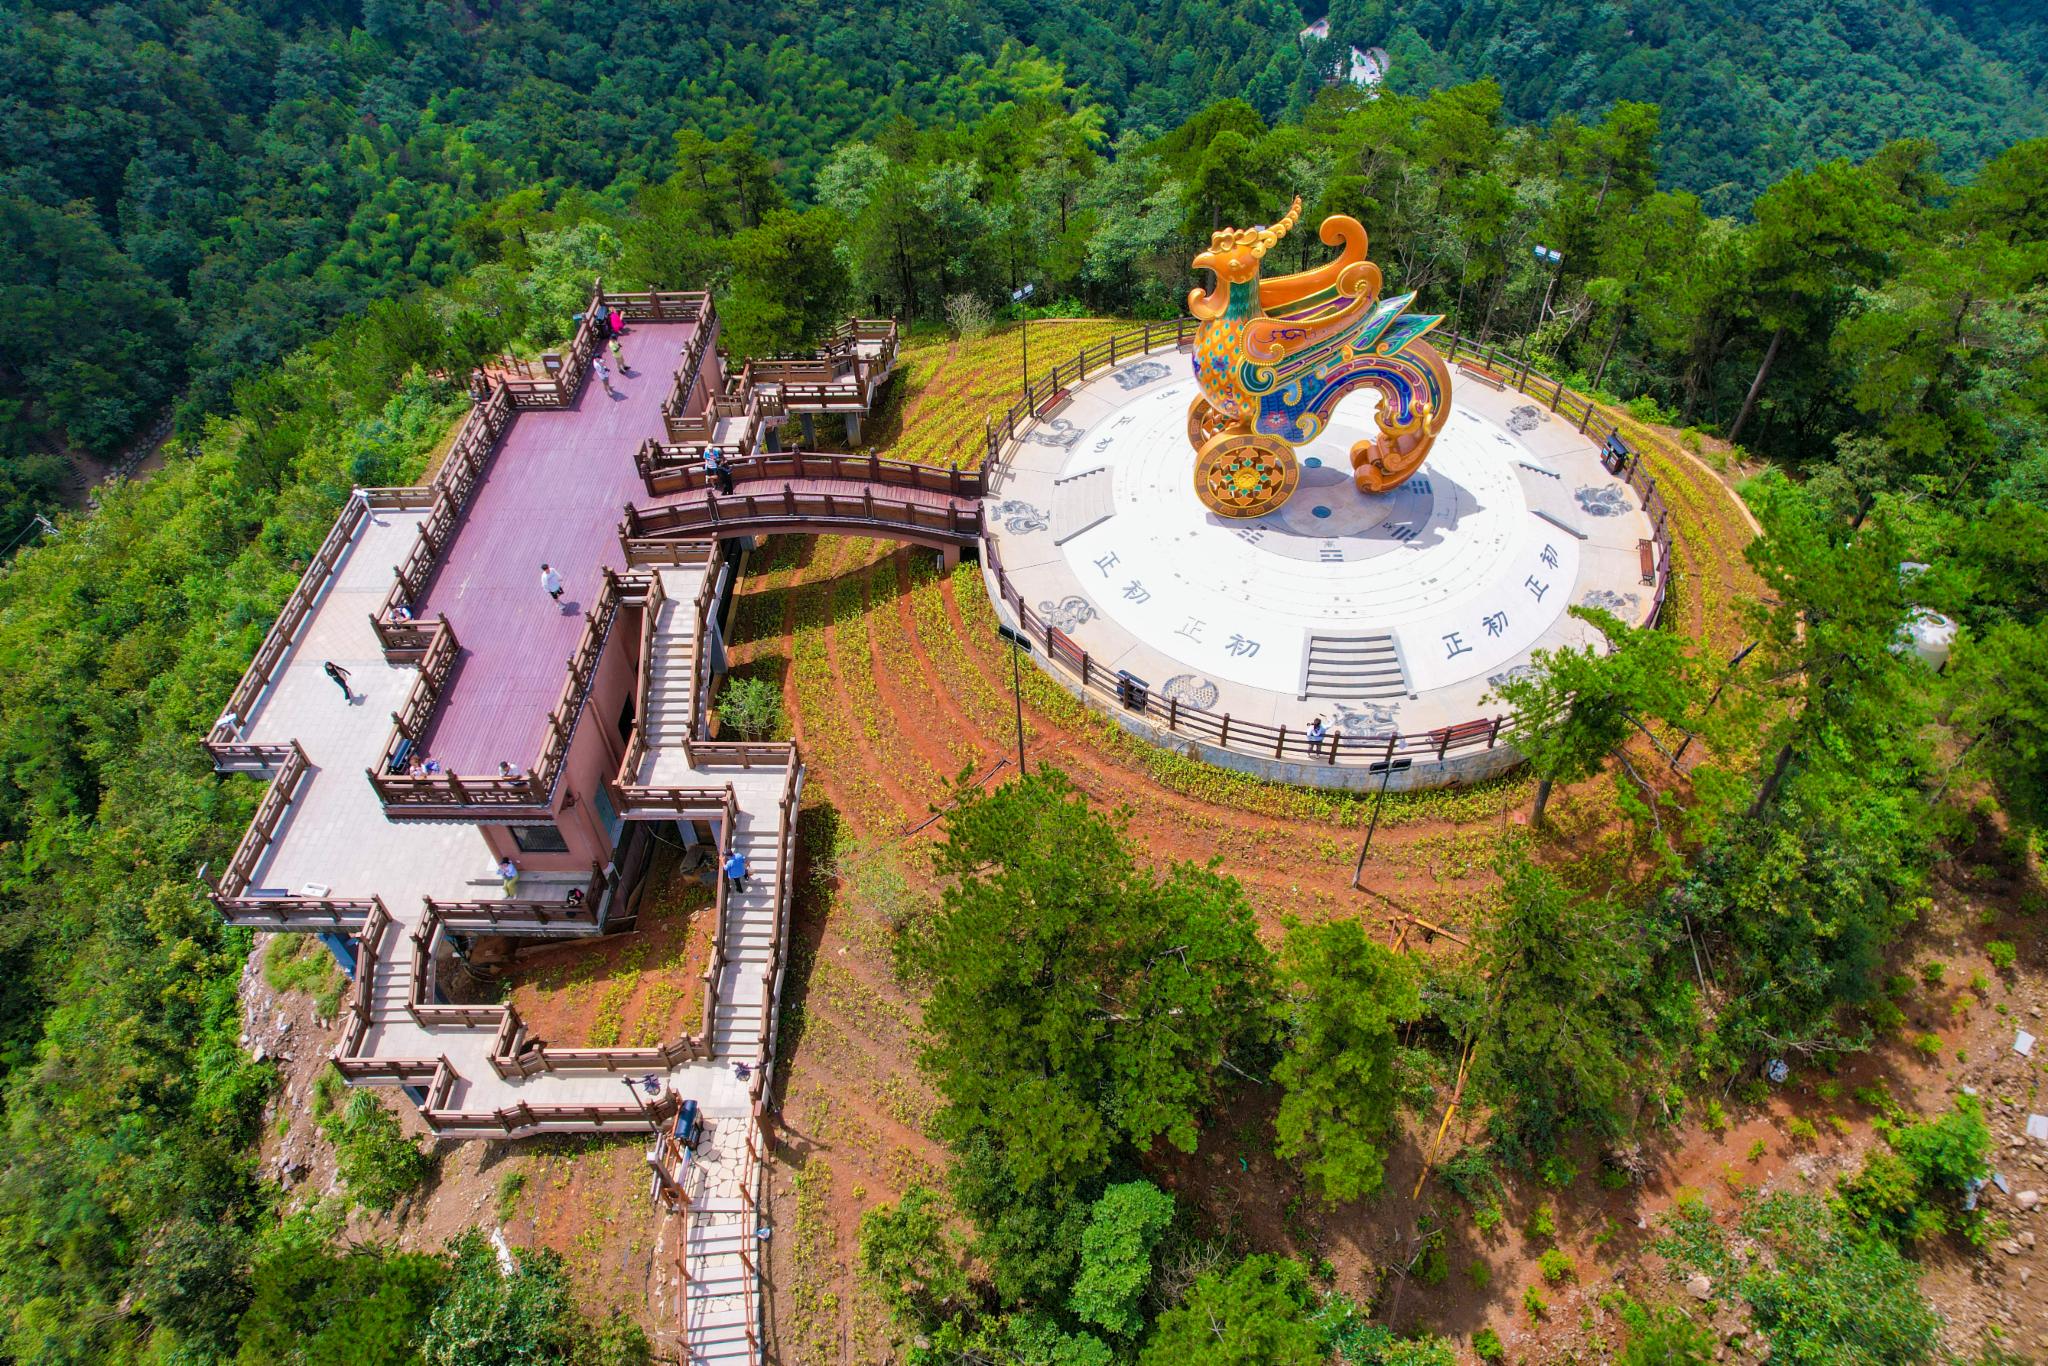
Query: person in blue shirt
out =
(736, 871)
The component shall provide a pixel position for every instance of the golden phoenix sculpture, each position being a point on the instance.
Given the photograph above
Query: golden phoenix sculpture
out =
(1273, 357)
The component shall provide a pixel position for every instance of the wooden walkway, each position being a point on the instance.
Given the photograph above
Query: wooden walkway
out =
(809, 505)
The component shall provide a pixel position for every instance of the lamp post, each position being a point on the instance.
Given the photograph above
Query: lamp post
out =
(1386, 776)
(1018, 644)
(1550, 258)
(1018, 297)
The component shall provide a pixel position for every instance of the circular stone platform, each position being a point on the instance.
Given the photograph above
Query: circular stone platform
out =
(1378, 613)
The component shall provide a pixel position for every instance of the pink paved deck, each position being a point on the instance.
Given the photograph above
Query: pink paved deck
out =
(554, 491)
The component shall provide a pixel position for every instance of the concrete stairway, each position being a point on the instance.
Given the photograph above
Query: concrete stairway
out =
(391, 983)
(1353, 667)
(1081, 501)
(749, 936)
(718, 1306)
(672, 661)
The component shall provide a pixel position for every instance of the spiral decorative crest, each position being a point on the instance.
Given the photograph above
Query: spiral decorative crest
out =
(1258, 240)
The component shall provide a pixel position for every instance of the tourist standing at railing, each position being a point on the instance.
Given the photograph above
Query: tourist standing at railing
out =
(618, 322)
(1316, 732)
(716, 470)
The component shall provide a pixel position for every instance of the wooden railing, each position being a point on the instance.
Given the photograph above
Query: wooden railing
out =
(785, 860)
(804, 513)
(525, 1118)
(689, 366)
(295, 913)
(847, 338)
(355, 1026)
(954, 521)
(526, 915)
(513, 1053)
(1054, 385)
(222, 741)
(1251, 738)
(662, 305)
(408, 497)
(240, 757)
(409, 722)
(270, 813)
(651, 553)
(564, 371)
(669, 470)
(433, 794)
(839, 378)
(404, 639)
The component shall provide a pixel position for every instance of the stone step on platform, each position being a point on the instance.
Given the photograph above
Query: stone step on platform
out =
(1081, 501)
(1353, 667)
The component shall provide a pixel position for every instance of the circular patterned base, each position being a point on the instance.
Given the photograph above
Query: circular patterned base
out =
(1240, 474)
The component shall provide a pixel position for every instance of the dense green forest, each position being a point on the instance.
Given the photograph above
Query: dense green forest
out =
(303, 216)
(1749, 90)
(188, 192)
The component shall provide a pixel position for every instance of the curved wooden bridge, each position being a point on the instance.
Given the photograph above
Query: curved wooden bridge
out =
(805, 493)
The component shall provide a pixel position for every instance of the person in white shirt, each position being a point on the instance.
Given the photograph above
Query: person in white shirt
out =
(551, 582)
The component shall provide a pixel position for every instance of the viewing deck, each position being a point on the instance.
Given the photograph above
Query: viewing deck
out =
(440, 743)
(551, 493)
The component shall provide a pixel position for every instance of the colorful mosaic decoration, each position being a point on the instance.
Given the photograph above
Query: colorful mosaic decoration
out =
(1273, 357)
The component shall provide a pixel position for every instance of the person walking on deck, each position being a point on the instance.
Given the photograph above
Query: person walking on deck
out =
(604, 374)
(736, 871)
(340, 677)
(551, 582)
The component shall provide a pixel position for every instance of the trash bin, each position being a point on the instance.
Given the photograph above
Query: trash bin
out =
(1131, 690)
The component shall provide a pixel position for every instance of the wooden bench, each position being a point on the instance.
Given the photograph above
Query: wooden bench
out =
(1484, 375)
(1646, 551)
(1448, 738)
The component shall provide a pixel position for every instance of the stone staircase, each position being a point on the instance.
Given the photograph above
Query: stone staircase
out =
(721, 1322)
(750, 916)
(391, 983)
(1353, 668)
(1081, 501)
(672, 661)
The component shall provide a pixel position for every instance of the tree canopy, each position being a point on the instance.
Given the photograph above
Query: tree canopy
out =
(1079, 1001)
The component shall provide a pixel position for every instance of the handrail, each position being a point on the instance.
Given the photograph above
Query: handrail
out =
(294, 913)
(952, 522)
(445, 498)
(297, 607)
(524, 915)
(270, 812)
(668, 469)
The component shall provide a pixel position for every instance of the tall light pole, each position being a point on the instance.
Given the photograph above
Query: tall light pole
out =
(1550, 258)
(1386, 776)
(1017, 297)
(1018, 644)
